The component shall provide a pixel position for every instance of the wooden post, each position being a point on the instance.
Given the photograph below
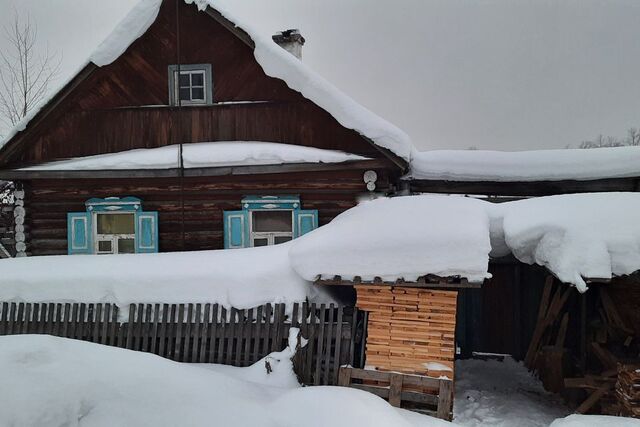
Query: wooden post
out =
(445, 395)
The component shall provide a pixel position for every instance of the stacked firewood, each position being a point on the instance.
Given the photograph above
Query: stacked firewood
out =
(410, 330)
(628, 390)
(607, 341)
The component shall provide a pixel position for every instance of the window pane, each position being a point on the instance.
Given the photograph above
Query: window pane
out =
(281, 239)
(197, 93)
(116, 224)
(184, 80)
(260, 242)
(126, 246)
(265, 221)
(197, 79)
(104, 246)
(185, 94)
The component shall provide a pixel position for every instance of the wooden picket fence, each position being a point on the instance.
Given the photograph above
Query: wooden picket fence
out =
(202, 333)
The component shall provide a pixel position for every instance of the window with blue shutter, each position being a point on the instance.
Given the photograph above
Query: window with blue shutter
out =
(79, 232)
(112, 226)
(306, 221)
(235, 229)
(267, 220)
(147, 232)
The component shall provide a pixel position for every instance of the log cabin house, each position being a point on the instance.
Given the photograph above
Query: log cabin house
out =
(185, 131)
(179, 140)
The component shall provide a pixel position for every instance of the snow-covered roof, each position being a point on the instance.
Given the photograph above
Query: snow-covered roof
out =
(201, 155)
(575, 236)
(242, 278)
(541, 165)
(275, 61)
(402, 237)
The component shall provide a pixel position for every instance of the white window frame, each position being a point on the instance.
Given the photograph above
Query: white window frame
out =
(190, 69)
(113, 238)
(269, 235)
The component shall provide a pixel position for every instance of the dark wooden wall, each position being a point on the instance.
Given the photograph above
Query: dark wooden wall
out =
(103, 113)
(48, 202)
(501, 317)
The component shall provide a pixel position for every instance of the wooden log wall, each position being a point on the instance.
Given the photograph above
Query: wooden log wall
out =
(204, 200)
(409, 330)
(201, 333)
(7, 235)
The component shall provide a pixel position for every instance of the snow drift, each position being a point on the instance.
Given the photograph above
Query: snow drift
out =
(402, 237)
(55, 381)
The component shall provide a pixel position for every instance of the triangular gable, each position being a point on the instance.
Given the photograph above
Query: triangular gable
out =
(275, 62)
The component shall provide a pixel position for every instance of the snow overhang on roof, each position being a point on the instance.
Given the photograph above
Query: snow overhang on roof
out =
(526, 166)
(275, 62)
(201, 155)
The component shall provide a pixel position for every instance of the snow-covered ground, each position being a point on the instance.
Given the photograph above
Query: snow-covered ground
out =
(50, 381)
(502, 394)
(493, 393)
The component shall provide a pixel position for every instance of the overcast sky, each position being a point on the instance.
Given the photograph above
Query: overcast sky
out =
(493, 74)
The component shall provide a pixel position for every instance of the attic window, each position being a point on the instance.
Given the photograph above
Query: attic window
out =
(190, 84)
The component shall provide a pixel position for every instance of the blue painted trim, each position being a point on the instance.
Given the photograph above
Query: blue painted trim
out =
(146, 232)
(114, 204)
(271, 202)
(79, 233)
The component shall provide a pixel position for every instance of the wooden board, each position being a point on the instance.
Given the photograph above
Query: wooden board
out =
(408, 328)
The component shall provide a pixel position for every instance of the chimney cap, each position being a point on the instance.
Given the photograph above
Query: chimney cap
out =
(288, 36)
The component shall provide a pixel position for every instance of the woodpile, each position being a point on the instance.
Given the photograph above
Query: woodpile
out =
(628, 390)
(605, 344)
(410, 330)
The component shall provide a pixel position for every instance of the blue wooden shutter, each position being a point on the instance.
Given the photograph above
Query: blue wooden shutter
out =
(79, 233)
(146, 232)
(236, 233)
(305, 221)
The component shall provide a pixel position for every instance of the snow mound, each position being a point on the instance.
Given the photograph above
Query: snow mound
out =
(402, 237)
(575, 236)
(275, 61)
(203, 154)
(242, 278)
(541, 165)
(595, 421)
(54, 382)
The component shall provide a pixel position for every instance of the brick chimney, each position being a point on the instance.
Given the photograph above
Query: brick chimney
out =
(291, 41)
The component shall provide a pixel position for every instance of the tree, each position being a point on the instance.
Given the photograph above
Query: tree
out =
(25, 75)
(633, 138)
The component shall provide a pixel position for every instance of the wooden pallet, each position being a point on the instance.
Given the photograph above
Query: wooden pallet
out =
(431, 396)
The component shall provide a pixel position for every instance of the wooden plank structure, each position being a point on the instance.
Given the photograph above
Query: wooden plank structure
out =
(201, 333)
(410, 341)
(434, 398)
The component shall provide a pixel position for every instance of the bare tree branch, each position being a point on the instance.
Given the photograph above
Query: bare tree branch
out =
(25, 75)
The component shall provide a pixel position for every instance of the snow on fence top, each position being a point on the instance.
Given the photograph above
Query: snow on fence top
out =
(242, 278)
(203, 154)
(541, 165)
(403, 237)
(275, 61)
